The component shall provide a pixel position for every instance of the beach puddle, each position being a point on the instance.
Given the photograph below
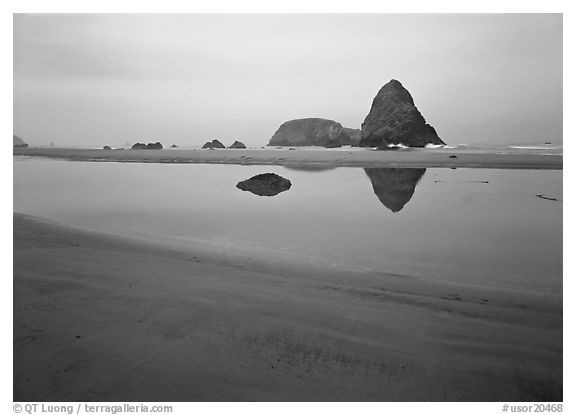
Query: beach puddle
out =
(472, 226)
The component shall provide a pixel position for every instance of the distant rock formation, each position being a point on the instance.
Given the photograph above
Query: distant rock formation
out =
(106, 148)
(394, 119)
(311, 132)
(266, 184)
(238, 144)
(18, 142)
(154, 146)
(149, 146)
(173, 146)
(394, 186)
(213, 144)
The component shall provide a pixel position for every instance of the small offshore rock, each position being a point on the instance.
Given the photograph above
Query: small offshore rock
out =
(238, 144)
(266, 184)
(213, 144)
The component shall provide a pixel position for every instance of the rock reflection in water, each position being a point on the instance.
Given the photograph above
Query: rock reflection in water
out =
(393, 186)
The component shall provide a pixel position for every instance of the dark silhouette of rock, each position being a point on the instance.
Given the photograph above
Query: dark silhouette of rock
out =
(213, 144)
(310, 132)
(453, 157)
(266, 184)
(173, 146)
(18, 142)
(394, 119)
(154, 146)
(237, 144)
(149, 146)
(394, 186)
(106, 148)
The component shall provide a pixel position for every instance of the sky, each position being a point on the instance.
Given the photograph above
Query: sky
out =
(111, 79)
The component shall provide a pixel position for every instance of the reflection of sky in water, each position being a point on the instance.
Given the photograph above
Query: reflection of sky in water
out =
(453, 227)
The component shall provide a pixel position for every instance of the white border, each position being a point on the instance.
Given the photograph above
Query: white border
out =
(300, 6)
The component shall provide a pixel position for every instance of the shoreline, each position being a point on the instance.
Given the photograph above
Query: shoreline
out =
(310, 158)
(105, 318)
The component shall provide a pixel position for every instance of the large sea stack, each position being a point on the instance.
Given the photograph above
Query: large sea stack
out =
(394, 119)
(311, 132)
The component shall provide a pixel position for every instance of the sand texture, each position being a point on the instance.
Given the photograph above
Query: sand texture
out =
(324, 157)
(100, 318)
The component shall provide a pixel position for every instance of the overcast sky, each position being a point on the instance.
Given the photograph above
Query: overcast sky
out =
(99, 80)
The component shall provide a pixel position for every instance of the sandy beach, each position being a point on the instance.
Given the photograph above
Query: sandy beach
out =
(302, 157)
(102, 318)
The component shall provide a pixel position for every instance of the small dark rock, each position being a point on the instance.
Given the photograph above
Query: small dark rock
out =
(266, 184)
(154, 146)
(238, 144)
(107, 148)
(213, 144)
(453, 157)
(173, 146)
(149, 146)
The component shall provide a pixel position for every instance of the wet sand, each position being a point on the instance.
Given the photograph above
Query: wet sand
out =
(302, 157)
(102, 318)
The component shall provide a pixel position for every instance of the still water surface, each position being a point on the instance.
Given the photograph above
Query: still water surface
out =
(473, 226)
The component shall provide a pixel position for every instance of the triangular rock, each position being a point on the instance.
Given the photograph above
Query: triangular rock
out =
(394, 119)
